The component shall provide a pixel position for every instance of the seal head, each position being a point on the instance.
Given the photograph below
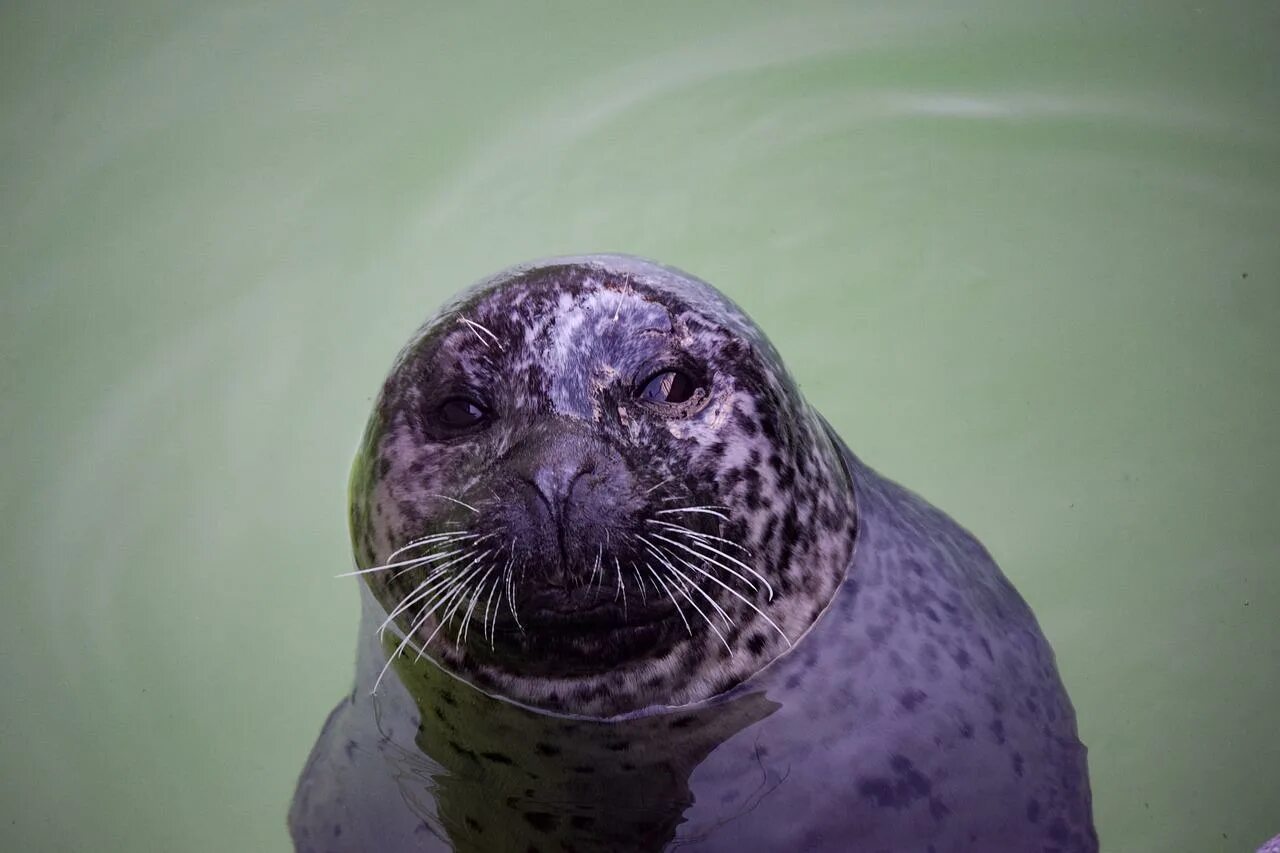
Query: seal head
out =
(590, 486)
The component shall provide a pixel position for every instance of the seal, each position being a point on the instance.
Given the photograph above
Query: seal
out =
(616, 566)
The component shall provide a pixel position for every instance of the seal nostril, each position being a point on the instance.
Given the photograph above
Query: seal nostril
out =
(554, 487)
(544, 488)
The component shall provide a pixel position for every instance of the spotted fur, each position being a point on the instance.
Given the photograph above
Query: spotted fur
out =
(566, 343)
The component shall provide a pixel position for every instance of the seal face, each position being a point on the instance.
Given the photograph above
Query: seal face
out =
(589, 485)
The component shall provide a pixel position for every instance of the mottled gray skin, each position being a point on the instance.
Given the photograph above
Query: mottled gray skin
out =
(574, 338)
(919, 709)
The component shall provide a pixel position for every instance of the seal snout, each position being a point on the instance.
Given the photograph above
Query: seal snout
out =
(572, 497)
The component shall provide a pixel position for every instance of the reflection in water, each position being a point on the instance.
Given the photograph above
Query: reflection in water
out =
(474, 773)
(506, 778)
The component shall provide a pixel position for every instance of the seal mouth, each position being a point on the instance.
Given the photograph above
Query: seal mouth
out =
(579, 632)
(604, 618)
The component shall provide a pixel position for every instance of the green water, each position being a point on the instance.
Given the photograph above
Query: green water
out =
(1025, 257)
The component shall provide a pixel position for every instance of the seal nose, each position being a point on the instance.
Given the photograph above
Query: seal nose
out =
(554, 481)
(572, 494)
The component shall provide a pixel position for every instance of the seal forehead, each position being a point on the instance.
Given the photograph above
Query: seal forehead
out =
(576, 328)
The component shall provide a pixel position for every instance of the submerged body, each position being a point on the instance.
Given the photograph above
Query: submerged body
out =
(906, 701)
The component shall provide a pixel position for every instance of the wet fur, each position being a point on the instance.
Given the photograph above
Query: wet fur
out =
(572, 340)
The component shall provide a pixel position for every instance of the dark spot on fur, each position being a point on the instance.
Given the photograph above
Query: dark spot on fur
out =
(542, 821)
(876, 634)
(462, 750)
(898, 791)
(474, 824)
(911, 698)
(1033, 811)
(756, 643)
(546, 749)
(497, 757)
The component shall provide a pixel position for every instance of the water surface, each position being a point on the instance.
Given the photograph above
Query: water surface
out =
(1023, 257)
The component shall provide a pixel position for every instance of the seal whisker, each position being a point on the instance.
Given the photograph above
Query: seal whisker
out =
(506, 569)
(511, 590)
(659, 486)
(466, 620)
(662, 556)
(457, 595)
(640, 584)
(737, 595)
(433, 581)
(671, 596)
(704, 548)
(700, 556)
(683, 590)
(594, 567)
(474, 325)
(705, 510)
(433, 539)
(666, 556)
(696, 534)
(454, 500)
(622, 588)
(433, 558)
(484, 622)
(413, 629)
(412, 564)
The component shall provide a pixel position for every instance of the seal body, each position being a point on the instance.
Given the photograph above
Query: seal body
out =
(864, 677)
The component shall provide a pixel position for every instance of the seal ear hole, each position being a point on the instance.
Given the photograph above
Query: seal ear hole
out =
(672, 387)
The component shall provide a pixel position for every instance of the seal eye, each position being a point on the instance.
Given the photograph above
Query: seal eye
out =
(460, 413)
(669, 386)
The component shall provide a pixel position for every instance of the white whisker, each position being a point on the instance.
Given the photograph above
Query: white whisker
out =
(672, 597)
(659, 486)
(416, 561)
(466, 620)
(457, 594)
(435, 539)
(474, 326)
(702, 554)
(433, 581)
(704, 510)
(455, 500)
(735, 594)
(662, 554)
(708, 559)
(697, 534)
